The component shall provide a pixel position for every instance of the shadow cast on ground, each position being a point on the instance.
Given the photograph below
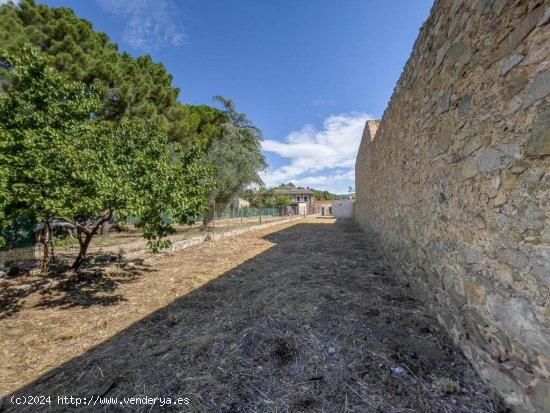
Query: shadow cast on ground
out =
(93, 285)
(316, 323)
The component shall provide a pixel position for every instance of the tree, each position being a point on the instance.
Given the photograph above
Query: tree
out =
(200, 124)
(146, 176)
(262, 199)
(282, 201)
(323, 195)
(290, 185)
(127, 86)
(41, 113)
(234, 154)
(60, 158)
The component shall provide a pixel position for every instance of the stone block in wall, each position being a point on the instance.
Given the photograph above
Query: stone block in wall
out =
(519, 33)
(537, 90)
(538, 143)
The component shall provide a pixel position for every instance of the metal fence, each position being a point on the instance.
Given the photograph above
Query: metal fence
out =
(23, 244)
(19, 239)
(248, 213)
(255, 212)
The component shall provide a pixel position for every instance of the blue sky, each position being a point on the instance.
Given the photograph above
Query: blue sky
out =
(309, 73)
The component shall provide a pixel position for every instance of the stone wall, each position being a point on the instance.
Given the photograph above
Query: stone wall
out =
(455, 185)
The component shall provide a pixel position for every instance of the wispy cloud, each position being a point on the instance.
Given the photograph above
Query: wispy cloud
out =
(320, 158)
(149, 24)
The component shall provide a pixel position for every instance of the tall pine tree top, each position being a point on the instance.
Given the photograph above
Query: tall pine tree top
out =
(128, 86)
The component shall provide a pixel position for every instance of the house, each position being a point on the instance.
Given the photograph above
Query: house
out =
(236, 203)
(323, 207)
(302, 199)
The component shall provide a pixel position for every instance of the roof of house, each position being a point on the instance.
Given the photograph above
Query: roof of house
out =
(294, 191)
(322, 202)
(290, 192)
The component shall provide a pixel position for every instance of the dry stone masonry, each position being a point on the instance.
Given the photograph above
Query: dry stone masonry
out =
(454, 182)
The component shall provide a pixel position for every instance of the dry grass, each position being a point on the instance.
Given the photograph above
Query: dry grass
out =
(448, 386)
(41, 332)
(304, 319)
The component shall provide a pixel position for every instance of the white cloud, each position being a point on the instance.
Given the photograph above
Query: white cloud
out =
(323, 159)
(150, 24)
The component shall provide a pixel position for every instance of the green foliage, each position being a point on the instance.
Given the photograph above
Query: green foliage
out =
(199, 125)
(233, 149)
(150, 176)
(323, 195)
(156, 177)
(319, 195)
(236, 165)
(283, 200)
(264, 198)
(290, 185)
(46, 132)
(60, 159)
(91, 131)
(231, 142)
(127, 86)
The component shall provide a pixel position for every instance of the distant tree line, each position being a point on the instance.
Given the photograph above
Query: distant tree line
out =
(319, 195)
(88, 133)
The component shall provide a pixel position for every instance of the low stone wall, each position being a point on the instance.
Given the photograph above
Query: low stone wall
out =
(215, 236)
(455, 184)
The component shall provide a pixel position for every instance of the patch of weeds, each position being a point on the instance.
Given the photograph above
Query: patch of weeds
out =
(448, 386)
(104, 240)
(64, 242)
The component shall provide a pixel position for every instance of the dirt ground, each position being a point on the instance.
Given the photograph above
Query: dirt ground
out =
(301, 317)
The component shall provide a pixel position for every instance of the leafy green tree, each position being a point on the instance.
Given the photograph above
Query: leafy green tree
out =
(234, 154)
(290, 185)
(127, 86)
(146, 176)
(199, 124)
(248, 195)
(323, 195)
(61, 159)
(263, 198)
(282, 201)
(41, 113)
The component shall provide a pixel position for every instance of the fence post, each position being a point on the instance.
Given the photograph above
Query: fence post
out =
(214, 223)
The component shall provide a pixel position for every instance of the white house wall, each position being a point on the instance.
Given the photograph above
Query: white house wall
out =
(342, 208)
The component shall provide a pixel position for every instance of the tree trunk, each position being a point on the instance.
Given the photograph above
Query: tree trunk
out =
(213, 217)
(208, 217)
(104, 228)
(84, 244)
(88, 234)
(47, 244)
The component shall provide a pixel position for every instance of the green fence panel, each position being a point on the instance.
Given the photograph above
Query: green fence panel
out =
(19, 237)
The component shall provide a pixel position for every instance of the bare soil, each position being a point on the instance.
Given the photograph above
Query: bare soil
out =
(301, 317)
